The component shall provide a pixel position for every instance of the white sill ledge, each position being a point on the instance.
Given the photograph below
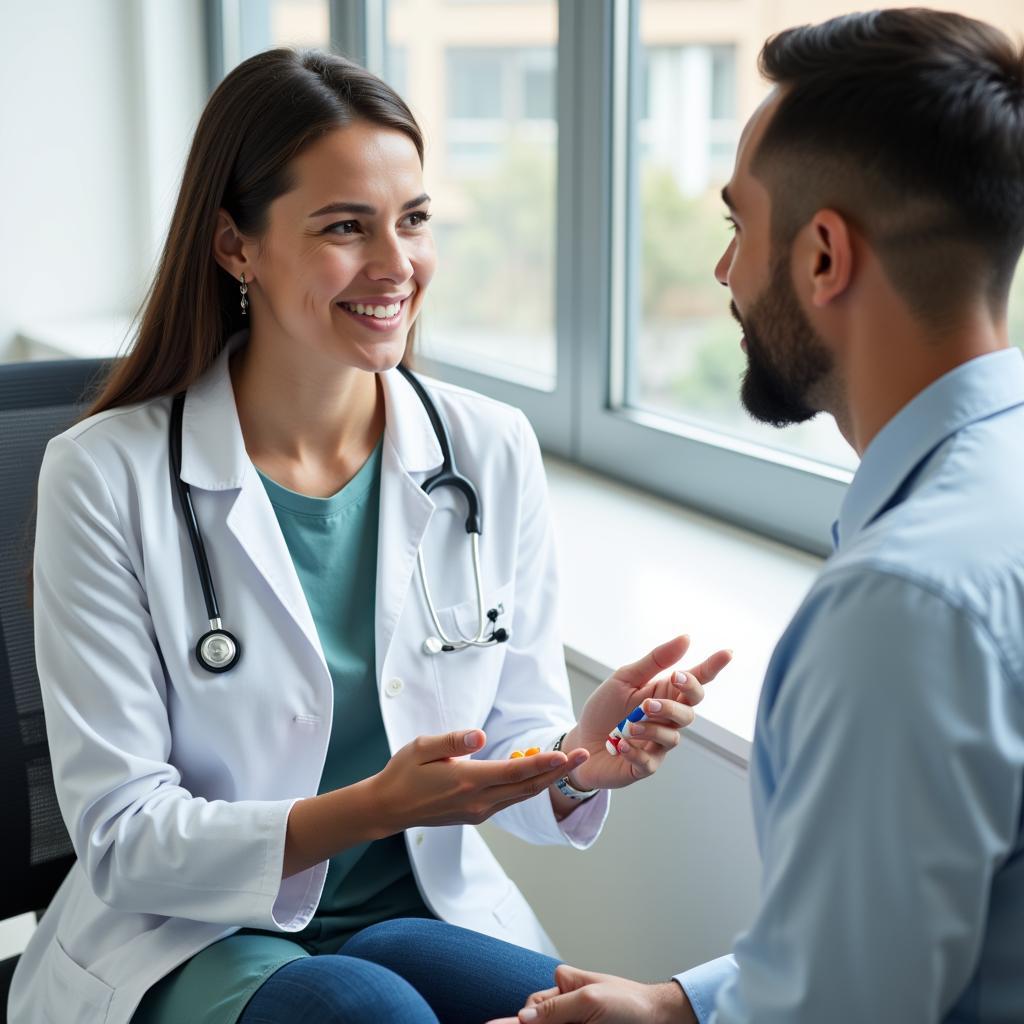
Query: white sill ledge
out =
(637, 570)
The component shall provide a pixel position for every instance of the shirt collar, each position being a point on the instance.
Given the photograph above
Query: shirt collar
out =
(213, 454)
(973, 391)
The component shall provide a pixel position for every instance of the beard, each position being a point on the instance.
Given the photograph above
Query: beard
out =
(787, 360)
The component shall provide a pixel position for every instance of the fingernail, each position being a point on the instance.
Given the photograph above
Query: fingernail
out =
(555, 761)
(528, 1014)
(653, 707)
(635, 729)
(578, 760)
(680, 679)
(470, 739)
(623, 745)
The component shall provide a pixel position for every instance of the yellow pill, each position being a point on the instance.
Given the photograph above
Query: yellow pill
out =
(516, 753)
(532, 751)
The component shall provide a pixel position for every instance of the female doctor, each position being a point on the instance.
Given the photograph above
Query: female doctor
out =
(261, 727)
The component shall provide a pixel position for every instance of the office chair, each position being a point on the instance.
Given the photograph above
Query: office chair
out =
(37, 401)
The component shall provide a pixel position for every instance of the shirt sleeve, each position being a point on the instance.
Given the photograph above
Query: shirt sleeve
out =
(536, 715)
(702, 985)
(890, 763)
(145, 843)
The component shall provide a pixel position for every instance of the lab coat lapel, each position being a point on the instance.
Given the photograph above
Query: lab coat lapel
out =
(410, 452)
(254, 524)
(213, 458)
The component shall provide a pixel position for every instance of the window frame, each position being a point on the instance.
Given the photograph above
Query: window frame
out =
(585, 418)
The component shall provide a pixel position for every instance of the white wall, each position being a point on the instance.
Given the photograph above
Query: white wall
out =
(672, 880)
(97, 98)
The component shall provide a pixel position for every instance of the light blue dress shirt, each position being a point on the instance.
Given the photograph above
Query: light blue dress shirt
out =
(888, 761)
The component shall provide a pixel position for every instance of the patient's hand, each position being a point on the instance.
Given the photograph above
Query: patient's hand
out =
(582, 997)
(652, 678)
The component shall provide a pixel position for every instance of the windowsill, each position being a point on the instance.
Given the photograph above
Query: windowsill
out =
(637, 570)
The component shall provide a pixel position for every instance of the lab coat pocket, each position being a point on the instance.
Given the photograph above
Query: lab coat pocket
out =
(73, 989)
(468, 679)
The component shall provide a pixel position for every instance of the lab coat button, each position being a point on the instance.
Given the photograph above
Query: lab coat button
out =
(394, 687)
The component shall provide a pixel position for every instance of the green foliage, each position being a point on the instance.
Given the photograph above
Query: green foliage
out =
(498, 262)
(681, 240)
(711, 384)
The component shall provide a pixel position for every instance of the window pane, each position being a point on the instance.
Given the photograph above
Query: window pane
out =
(480, 77)
(698, 84)
(299, 23)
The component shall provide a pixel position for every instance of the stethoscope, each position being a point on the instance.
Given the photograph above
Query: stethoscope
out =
(217, 650)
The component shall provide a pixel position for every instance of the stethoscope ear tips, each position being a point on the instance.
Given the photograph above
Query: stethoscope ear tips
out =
(218, 651)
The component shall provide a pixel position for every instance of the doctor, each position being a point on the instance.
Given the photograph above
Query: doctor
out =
(271, 735)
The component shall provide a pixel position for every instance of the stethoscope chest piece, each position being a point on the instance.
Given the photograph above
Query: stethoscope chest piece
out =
(218, 650)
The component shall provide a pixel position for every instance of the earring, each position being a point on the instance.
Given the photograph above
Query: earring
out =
(243, 291)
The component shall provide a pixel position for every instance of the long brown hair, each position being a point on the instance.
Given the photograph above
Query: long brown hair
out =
(264, 113)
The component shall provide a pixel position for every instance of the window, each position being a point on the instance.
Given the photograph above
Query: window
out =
(480, 78)
(299, 23)
(682, 357)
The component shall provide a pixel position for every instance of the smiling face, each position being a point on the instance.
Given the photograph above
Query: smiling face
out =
(788, 363)
(344, 263)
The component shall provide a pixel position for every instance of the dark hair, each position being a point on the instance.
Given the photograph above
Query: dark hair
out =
(264, 113)
(911, 124)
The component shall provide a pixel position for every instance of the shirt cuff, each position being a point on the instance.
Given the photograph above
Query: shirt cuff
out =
(583, 824)
(702, 984)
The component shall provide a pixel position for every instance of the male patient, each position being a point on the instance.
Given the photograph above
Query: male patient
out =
(878, 201)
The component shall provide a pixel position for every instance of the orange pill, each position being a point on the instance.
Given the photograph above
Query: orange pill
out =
(516, 753)
(532, 751)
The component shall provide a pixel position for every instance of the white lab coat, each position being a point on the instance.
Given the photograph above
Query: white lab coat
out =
(176, 783)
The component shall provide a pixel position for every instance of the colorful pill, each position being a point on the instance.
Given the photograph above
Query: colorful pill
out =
(532, 750)
(621, 731)
(516, 753)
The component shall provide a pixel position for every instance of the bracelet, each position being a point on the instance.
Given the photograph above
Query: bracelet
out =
(565, 787)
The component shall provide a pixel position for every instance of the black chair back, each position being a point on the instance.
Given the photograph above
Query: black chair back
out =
(37, 401)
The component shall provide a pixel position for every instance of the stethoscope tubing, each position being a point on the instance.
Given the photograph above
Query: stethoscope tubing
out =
(218, 650)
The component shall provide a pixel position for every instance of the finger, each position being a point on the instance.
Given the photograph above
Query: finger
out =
(688, 688)
(666, 736)
(569, 978)
(514, 792)
(523, 769)
(666, 712)
(710, 667)
(539, 997)
(643, 763)
(639, 673)
(449, 744)
(575, 1007)
(486, 774)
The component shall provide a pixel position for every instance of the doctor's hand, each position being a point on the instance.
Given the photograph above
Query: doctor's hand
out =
(668, 698)
(583, 997)
(431, 781)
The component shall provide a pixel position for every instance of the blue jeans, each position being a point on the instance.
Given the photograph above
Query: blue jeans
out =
(410, 970)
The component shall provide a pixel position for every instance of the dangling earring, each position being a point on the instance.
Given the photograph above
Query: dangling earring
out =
(243, 291)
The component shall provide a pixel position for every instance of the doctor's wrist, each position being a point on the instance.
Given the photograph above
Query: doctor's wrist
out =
(320, 827)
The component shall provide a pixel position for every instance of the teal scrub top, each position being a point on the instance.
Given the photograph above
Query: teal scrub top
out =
(333, 543)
